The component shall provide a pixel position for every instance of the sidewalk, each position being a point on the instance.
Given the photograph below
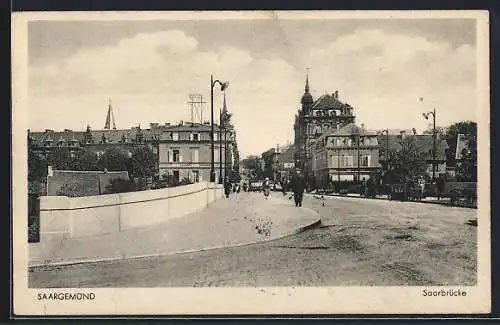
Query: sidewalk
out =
(244, 218)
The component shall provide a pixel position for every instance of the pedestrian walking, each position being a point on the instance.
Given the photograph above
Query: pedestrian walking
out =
(227, 187)
(421, 183)
(299, 185)
(370, 187)
(440, 186)
(266, 187)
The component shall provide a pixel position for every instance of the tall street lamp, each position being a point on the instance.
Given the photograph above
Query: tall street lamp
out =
(221, 127)
(223, 86)
(426, 116)
(356, 136)
(386, 133)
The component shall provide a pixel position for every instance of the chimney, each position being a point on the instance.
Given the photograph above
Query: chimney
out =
(414, 131)
(336, 94)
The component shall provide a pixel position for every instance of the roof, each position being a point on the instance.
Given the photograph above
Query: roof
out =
(424, 143)
(328, 101)
(115, 136)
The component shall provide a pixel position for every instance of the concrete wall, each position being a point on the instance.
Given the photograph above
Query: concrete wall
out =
(72, 217)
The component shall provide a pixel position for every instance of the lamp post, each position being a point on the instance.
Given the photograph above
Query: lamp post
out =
(220, 145)
(223, 86)
(426, 116)
(386, 132)
(356, 136)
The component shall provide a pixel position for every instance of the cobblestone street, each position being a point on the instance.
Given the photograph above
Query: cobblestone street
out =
(361, 242)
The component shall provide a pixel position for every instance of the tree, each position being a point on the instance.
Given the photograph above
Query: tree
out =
(406, 163)
(60, 158)
(85, 160)
(143, 162)
(255, 166)
(113, 160)
(467, 168)
(37, 166)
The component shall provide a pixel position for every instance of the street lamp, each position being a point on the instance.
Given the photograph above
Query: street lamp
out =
(220, 146)
(357, 137)
(386, 132)
(426, 116)
(223, 86)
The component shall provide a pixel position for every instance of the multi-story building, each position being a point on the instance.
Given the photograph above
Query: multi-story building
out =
(315, 118)
(348, 154)
(185, 152)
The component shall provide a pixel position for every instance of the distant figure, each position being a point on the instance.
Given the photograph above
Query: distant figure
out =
(440, 186)
(227, 188)
(362, 188)
(238, 188)
(299, 185)
(421, 183)
(266, 187)
(370, 187)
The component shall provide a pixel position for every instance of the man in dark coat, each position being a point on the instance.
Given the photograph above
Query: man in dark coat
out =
(299, 185)
(227, 187)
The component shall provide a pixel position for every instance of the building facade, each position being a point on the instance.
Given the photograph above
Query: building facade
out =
(185, 152)
(182, 150)
(348, 154)
(317, 117)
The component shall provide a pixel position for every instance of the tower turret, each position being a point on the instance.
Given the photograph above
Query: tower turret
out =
(307, 99)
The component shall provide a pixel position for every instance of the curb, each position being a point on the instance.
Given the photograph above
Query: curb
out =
(122, 258)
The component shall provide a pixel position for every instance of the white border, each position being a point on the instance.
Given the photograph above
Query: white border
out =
(253, 301)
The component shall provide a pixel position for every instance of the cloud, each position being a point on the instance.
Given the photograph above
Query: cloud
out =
(383, 74)
(149, 76)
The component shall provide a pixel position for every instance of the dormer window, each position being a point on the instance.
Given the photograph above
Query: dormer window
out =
(175, 136)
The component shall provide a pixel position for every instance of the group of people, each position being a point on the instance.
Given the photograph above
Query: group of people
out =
(230, 187)
(298, 185)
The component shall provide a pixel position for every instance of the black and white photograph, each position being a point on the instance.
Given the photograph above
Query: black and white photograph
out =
(259, 162)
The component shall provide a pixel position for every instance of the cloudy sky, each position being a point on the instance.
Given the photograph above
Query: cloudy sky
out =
(148, 69)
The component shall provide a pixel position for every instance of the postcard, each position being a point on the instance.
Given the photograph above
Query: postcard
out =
(251, 163)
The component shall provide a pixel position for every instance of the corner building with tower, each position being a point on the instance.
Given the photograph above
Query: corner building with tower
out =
(315, 118)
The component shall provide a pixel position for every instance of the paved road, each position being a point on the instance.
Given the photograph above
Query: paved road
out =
(362, 242)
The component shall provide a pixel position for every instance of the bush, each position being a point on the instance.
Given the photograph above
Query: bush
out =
(34, 229)
(120, 185)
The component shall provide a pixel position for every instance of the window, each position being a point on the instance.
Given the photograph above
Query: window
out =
(196, 176)
(176, 155)
(194, 155)
(216, 155)
(176, 176)
(365, 160)
(175, 136)
(335, 161)
(348, 161)
(194, 137)
(216, 136)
